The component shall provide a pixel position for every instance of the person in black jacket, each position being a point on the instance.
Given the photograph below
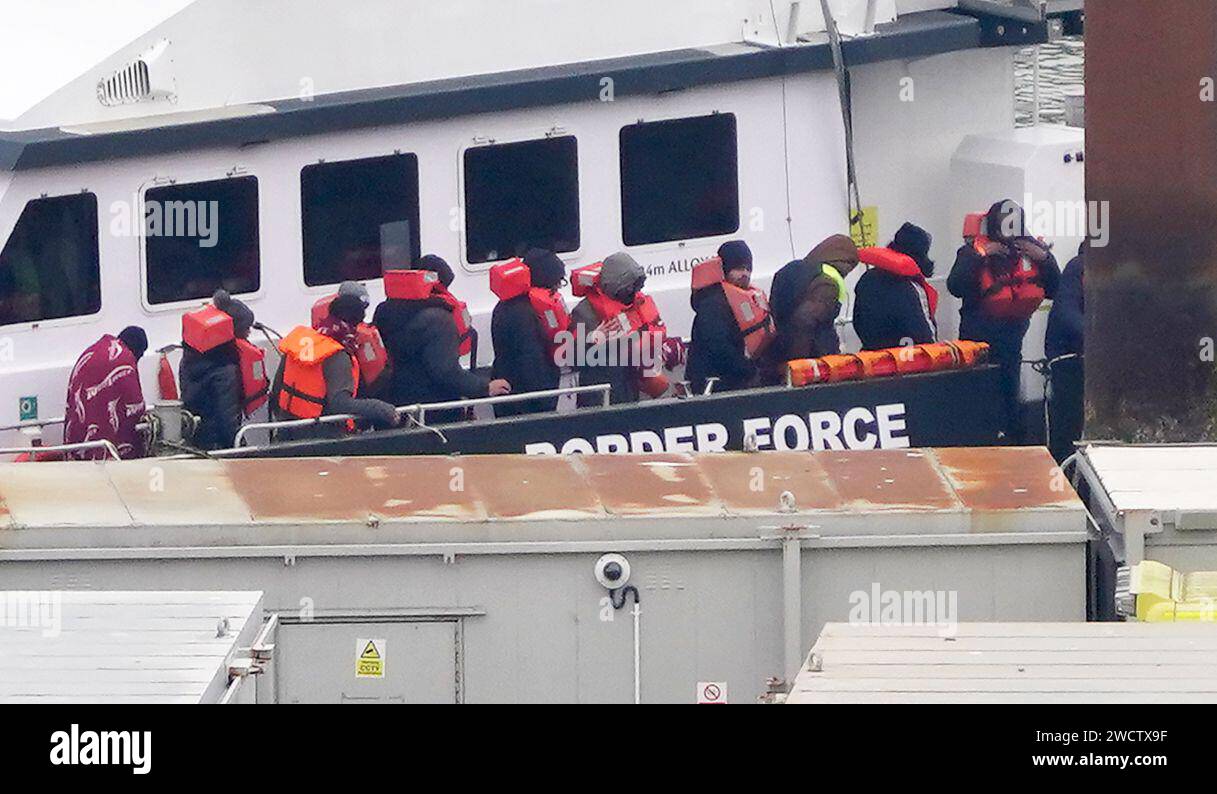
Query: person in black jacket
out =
(1006, 248)
(716, 348)
(521, 353)
(421, 339)
(211, 381)
(1064, 345)
(894, 307)
(806, 297)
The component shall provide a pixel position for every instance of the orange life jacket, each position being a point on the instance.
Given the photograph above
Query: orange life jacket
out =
(416, 285)
(934, 357)
(1014, 295)
(373, 357)
(205, 330)
(749, 306)
(302, 395)
(513, 279)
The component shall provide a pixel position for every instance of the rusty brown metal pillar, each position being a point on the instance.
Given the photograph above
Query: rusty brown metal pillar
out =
(1151, 147)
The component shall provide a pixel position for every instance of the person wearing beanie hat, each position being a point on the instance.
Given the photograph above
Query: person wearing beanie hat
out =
(105, 401)
(424, 349)
(894, 305)
(716, 346)
(437, 265)
(242, 316)
(521, 353)
(211, 380)
(977, 278)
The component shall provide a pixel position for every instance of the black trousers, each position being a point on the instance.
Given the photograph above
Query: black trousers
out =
(1066, 406)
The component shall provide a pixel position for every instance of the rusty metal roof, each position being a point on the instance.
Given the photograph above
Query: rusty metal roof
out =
(986, 486)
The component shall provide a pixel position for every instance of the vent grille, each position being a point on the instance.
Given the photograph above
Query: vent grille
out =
(130, 84)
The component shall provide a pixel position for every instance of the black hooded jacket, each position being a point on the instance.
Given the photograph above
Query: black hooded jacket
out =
(1005, 223)
(212, 391)
(717, 345)
(521, 354)
(420, 337)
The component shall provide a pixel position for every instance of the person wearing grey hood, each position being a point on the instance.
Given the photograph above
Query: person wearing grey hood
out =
(621, 281)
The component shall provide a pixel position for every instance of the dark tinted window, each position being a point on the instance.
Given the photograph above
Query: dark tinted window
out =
(49, 267)
(359, 216)
(679, 179)
(521, 195)
(200, 237)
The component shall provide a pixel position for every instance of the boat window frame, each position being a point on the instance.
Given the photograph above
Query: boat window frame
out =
(6, 234)
(462, 208)
(681, 242)
(329, 289)
(194, 177)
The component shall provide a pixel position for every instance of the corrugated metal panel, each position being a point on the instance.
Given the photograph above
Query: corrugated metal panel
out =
(1011, 662)
(1157, 477)
(996, 483)
(135, 647)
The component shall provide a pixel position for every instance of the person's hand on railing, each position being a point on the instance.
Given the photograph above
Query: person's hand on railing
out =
(499, 387)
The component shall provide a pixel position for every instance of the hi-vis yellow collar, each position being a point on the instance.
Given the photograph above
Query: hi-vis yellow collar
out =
(837, 279)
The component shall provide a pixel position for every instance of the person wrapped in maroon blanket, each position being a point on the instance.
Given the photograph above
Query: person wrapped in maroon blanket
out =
(105, 400)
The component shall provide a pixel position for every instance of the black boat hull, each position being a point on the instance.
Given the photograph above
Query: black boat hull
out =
(943, 409)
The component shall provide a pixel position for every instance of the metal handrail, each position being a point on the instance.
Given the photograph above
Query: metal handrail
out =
(605, 390)
(33, 423)
(108, 446)
(59, 420)
(419, 410)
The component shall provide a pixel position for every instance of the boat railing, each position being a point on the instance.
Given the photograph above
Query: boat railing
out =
(82, 446)
(36, 424)
(418, 411)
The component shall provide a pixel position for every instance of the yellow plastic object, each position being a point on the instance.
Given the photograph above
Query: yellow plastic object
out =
(1164, 595)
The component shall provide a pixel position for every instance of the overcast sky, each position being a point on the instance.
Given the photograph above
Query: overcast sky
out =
(46, 43)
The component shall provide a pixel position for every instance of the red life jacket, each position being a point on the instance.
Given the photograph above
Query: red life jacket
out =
(208, 328)
(584, 280)
(1014, 295)
(166, 381)
(415, 285)
(373, 357)
(749, 306)
(905, 266)
(513, 279)
(255, 385)
(642, 317)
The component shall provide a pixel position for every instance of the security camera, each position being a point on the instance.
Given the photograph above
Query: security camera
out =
(612, 571)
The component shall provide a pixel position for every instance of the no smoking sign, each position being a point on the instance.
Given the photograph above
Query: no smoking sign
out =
(711, 691)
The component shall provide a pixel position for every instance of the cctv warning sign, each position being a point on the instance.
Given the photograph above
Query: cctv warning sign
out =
(370, 658)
